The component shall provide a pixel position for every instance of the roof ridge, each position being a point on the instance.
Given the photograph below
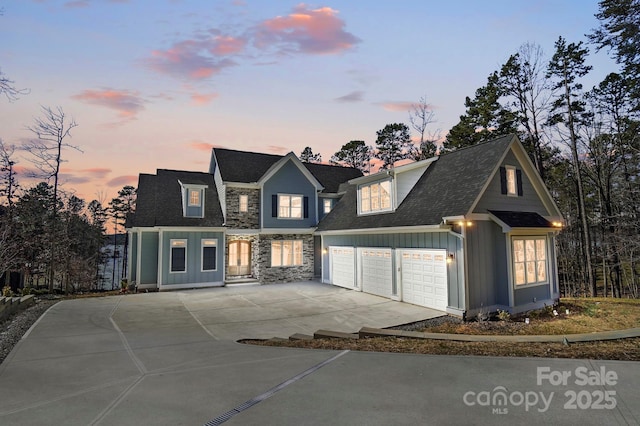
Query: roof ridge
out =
(478, 144)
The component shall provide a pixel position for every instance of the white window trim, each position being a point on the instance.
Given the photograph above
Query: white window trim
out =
(186, 252)
(243, 203)
(512, 261)
(380, 210)
(511, 170)
(293, 245)
(202, 247)
(291, 196)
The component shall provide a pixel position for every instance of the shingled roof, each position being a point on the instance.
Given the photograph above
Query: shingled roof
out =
(159, 200)
(249, 167)
(448, 187)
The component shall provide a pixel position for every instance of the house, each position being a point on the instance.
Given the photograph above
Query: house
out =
(467, 232)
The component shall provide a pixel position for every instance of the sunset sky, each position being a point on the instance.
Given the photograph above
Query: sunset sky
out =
(156, 84)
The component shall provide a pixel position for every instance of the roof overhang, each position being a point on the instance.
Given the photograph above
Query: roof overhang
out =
(389, 230)
(514, 220)
(280, 163)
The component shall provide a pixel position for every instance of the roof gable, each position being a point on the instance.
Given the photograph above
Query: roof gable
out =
(159, 200)
(291, 157)
(251, 167)
(448, 187)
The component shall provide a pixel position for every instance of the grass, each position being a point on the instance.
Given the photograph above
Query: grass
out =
(585, 316)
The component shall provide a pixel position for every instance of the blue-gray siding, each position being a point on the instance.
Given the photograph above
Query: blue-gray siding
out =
(487, 265)
(133, 256)
(149, 258)
(193, 211)
(193, 274)
(426, 240)
(288, 180)
(493, 199)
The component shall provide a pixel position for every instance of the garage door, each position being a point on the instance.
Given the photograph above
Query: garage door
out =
(424, 278)
(342, 265)
(377, 271)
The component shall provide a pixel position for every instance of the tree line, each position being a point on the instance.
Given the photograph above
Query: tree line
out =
(584, 143)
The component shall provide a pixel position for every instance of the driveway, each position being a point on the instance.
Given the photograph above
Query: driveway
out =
(170, 359)
(265, 311)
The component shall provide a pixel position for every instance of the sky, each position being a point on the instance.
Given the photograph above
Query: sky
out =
(157, 84)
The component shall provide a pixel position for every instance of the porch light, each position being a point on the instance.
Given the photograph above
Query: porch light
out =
(450, 257)
(469, 223)
(325, 251)
(556, 224)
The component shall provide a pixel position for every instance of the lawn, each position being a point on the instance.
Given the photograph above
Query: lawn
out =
(585, 316)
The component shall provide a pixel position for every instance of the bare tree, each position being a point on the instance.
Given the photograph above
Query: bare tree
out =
(51, 130)
(7, 86)
(8, 184)
(420, 117)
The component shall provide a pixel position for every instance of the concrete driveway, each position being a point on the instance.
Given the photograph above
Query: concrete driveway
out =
(155, 359)
(265, 311)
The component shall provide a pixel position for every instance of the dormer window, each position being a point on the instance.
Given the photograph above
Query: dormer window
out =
(374, 197)
(194, 198)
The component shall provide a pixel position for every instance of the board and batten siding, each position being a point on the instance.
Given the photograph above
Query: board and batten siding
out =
(149, 258)
(417, 240)
(493, 199)
(487, 265)
(194, 274)
(289, 179)
(132, 273)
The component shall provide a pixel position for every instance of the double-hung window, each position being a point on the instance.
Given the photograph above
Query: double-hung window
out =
(286, 253)
(178, 256)
(375, 197)
(530, 261)
(209, 254)
(326, 205)
(290, 206)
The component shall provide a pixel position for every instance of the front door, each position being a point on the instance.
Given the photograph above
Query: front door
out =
(239, 258)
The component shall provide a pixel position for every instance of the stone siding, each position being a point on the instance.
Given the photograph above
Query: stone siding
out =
(243, 220)
(284, 274)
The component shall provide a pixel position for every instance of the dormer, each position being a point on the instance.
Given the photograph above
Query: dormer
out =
(384, 191)
(193, 199)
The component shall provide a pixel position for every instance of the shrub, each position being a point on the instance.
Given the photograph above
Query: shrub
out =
(504, 315)
(6, 291)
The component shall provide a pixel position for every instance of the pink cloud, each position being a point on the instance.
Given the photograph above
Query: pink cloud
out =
(189, 59)
(225, 45)
(201, 146)
(278, 149)
(202, 98)
(123, 180)
(128, 104)
(397, 106)
(96, 172)
(315, 31)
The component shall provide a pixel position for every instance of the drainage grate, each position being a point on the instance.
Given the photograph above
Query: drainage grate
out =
(250, 403)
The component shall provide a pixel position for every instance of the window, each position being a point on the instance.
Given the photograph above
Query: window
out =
(286, 253)
(511, 180)
(375, 197)
(326, 206)
(290, 206)
(529, 260)
(178, 258)
(194, 197)
(244, 203)
(209, 253)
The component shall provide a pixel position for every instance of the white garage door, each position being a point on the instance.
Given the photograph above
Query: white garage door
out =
(424, 278)
(377, 271)
(342, 265)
